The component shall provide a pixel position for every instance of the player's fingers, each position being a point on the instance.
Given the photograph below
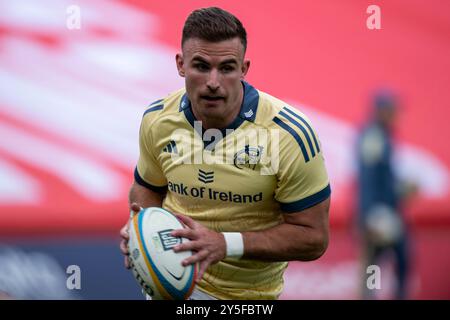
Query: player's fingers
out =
(202, 268)
(127, 262)
(185, 233)
(124, 247)
(124, 232)
(188, 221)
(199, 256)
(191, 245)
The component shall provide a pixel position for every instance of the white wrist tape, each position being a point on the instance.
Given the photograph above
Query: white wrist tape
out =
(235, 244)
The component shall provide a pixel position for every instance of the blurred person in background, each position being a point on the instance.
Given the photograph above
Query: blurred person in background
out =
(381, 194)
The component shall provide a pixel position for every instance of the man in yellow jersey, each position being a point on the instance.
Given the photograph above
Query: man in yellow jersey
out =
(244, 170)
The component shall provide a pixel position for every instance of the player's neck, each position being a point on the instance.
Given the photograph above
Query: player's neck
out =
(224, 122)
(220, 123)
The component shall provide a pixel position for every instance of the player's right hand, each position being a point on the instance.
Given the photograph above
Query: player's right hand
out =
(125, 236)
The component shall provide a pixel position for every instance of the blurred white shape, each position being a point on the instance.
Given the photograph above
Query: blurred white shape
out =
(341, 279)
(90, 178)
(384, 225)
(90, 113)
(39, 15)
(414, 164)
(32, 275)
(16, 186)
(126, 60)
(50, 16)
(321, 281)
(98, 120)
(129, 64)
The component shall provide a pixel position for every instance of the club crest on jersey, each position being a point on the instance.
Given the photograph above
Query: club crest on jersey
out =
(248, 157)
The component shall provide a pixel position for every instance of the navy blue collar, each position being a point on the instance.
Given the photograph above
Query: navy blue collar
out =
(249, 104)
(248, 109)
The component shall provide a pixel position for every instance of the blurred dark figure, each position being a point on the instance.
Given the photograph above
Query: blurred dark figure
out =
(380, 221)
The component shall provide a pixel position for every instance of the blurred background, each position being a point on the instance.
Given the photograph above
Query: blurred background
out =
(71, 100)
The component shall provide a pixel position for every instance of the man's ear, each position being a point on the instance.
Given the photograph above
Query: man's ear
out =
(245, 67)
(180, 64)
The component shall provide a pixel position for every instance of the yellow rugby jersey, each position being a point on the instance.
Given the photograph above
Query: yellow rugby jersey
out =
(267, 163)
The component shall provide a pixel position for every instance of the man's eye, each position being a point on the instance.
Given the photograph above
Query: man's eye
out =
(201, 67)
(227, 69)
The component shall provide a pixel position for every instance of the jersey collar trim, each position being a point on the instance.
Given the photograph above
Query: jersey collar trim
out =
(250, 103)
(248, 111)
(248, 108)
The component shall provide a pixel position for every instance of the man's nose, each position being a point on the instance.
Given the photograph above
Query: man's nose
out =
(213, 80)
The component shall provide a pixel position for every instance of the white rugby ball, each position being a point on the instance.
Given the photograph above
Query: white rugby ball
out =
(154, 264)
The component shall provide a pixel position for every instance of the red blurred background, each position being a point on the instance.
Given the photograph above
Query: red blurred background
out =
(71, 102)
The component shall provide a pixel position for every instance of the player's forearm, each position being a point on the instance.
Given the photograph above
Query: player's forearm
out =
(285, 242)
(144, 197)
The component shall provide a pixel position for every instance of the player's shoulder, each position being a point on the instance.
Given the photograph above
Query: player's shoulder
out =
(160, 108)
(272, 111)
(294, 127)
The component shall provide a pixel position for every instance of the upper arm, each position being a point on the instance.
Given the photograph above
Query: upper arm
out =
(148, 172)
(303, 189)
(302, 179)
(315, 218)
(145, 197)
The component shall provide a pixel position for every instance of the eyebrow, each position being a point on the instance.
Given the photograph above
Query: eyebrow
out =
(200, 59)
(228, 61)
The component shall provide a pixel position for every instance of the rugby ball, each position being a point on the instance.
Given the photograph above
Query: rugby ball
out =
(154, 264)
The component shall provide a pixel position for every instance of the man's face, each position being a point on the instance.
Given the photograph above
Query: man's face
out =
(213, 72)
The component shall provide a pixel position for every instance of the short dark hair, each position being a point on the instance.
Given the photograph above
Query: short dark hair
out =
(213, 24)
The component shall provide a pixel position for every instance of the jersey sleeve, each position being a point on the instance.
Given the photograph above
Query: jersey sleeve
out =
(302, 179)
(148, 172)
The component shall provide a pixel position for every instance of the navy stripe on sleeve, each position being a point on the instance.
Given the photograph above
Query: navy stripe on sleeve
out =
(141, 182)
(293, 133)
(155, 108)
(307, 202)
(155, 102)
(306, 124)
(298, 125)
